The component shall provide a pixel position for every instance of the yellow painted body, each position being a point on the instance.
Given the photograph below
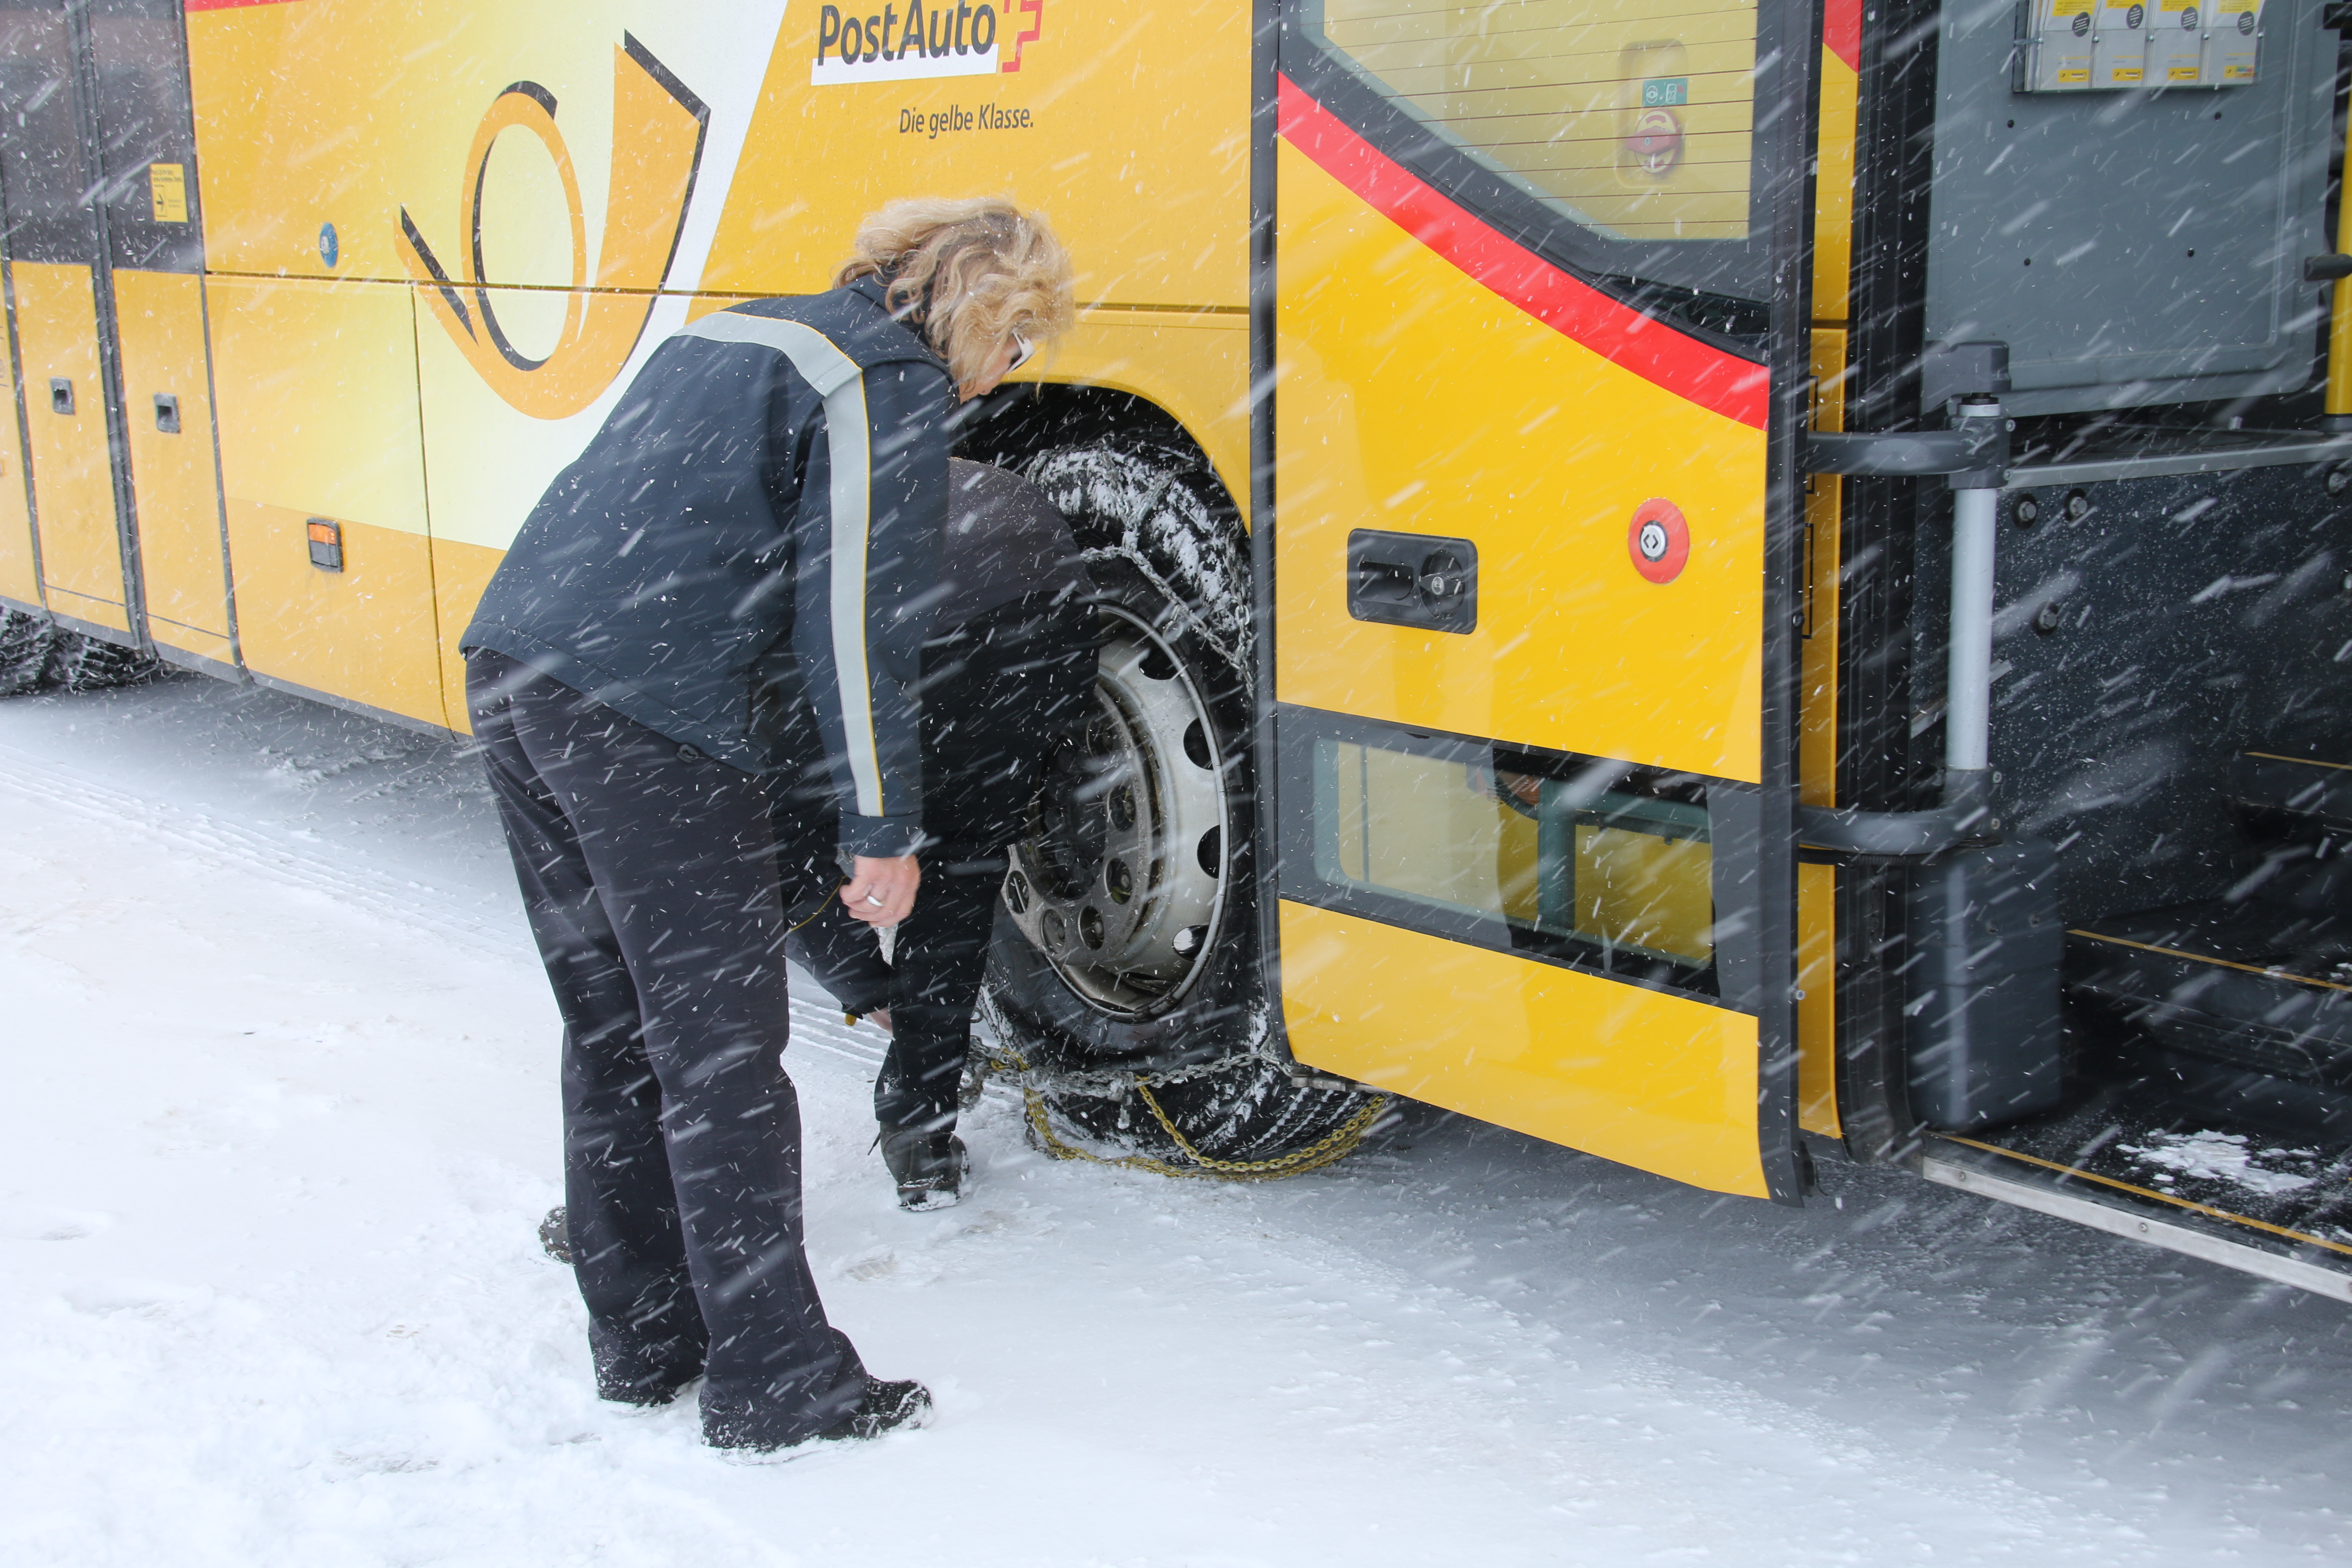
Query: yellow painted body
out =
(1665, 1082)
(73, 475)
(160, 319)
(317, 419)
(1416, 400)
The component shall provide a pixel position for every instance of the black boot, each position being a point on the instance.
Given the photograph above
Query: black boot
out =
(886, 1408)
(928, 1165)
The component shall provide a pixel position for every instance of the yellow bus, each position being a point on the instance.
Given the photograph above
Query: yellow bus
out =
(1722, 582)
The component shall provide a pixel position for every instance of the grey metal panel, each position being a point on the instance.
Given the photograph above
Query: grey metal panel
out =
(2314, 1276)
(2131, 247)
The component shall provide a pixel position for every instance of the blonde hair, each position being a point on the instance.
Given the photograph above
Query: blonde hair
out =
(972, 273)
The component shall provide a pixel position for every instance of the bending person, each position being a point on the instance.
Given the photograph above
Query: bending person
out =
(1007, 671)
(732, 584)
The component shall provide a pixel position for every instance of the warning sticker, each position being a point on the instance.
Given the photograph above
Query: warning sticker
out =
(167, 192)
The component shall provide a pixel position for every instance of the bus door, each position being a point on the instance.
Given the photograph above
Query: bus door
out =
(1532, 560)
(105, 276)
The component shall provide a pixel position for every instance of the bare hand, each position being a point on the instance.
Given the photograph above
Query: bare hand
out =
(881, 891)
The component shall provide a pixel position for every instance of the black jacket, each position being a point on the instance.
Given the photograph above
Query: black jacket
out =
(747, 556)
(1008, 675)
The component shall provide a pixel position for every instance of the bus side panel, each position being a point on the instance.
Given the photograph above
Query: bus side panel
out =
(318, 419)
(162, 322)
(1645, 1077)
(1539, 453)
(1129, 128)
(73, 475)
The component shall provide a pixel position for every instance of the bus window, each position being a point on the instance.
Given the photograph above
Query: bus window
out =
(1623, 131)
(1594, 863)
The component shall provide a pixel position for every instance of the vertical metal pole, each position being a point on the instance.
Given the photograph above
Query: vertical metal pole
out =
(1967, 674)
(1968, 711)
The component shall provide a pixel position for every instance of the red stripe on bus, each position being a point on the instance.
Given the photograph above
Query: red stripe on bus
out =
(1841, 31)
(231, 4)
(1724, 383)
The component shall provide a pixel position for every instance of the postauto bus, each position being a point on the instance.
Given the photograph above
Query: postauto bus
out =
(1722, 582)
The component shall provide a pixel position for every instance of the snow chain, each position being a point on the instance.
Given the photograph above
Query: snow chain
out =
(1328, 1149)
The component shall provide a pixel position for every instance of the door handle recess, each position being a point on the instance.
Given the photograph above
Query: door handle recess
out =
(1412, 580)
(60, 395)
(167, 413)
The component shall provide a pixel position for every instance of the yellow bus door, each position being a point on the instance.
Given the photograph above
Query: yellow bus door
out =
(105, 286)
(1531, 546)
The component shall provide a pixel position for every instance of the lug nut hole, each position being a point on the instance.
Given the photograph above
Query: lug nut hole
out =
(1196, 745)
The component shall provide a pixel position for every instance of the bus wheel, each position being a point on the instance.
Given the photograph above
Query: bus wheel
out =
(1124, 983)
(23, 651)
(79, 663)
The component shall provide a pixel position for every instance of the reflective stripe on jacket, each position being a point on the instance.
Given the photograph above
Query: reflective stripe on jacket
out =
(746, 556)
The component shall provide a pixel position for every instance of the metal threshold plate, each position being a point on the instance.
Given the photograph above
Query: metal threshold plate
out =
(2195, 1230)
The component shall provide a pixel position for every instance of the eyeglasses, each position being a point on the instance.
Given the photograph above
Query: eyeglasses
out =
(1024, 351)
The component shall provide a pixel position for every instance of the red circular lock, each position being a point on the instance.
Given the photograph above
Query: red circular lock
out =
(1659, 541)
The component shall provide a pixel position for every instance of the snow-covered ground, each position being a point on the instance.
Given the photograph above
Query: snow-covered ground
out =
(281, 1122)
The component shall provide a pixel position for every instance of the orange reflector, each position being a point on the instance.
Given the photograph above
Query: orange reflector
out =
(326, 543)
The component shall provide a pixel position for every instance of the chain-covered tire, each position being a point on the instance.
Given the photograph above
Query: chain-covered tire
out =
(79, 663)
(1125, 944)
(23, 651)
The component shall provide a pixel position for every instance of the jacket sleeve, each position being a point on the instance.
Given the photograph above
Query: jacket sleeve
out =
(860, 625)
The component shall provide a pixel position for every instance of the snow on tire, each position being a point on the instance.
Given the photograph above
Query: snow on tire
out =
(25, 643)
(79, 663)
(1126, 949)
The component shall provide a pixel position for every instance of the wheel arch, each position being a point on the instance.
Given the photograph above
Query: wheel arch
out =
(1029, 419)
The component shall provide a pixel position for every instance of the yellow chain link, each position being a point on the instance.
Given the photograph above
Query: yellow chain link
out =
(1331, 1147)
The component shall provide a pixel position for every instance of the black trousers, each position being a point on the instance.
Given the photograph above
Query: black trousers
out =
(929, 985)
(650, 876)
(1000, 691)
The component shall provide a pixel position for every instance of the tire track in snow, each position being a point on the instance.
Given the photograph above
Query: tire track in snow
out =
(289, 862)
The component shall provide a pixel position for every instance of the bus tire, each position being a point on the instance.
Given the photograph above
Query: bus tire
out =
(79, 663)
(1125, 947)
(25, 643)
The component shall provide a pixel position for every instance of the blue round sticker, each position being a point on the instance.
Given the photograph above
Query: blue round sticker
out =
(330, 246)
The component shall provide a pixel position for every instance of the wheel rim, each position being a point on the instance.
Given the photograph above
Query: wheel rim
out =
(1121, 884)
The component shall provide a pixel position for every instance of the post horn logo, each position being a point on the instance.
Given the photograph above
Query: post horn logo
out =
(658, 127)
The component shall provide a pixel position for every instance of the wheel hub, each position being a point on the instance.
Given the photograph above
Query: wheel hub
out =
(1121, 886)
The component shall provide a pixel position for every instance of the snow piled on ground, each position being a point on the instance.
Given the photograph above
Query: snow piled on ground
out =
(282, 1071)
(2215, 1157)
